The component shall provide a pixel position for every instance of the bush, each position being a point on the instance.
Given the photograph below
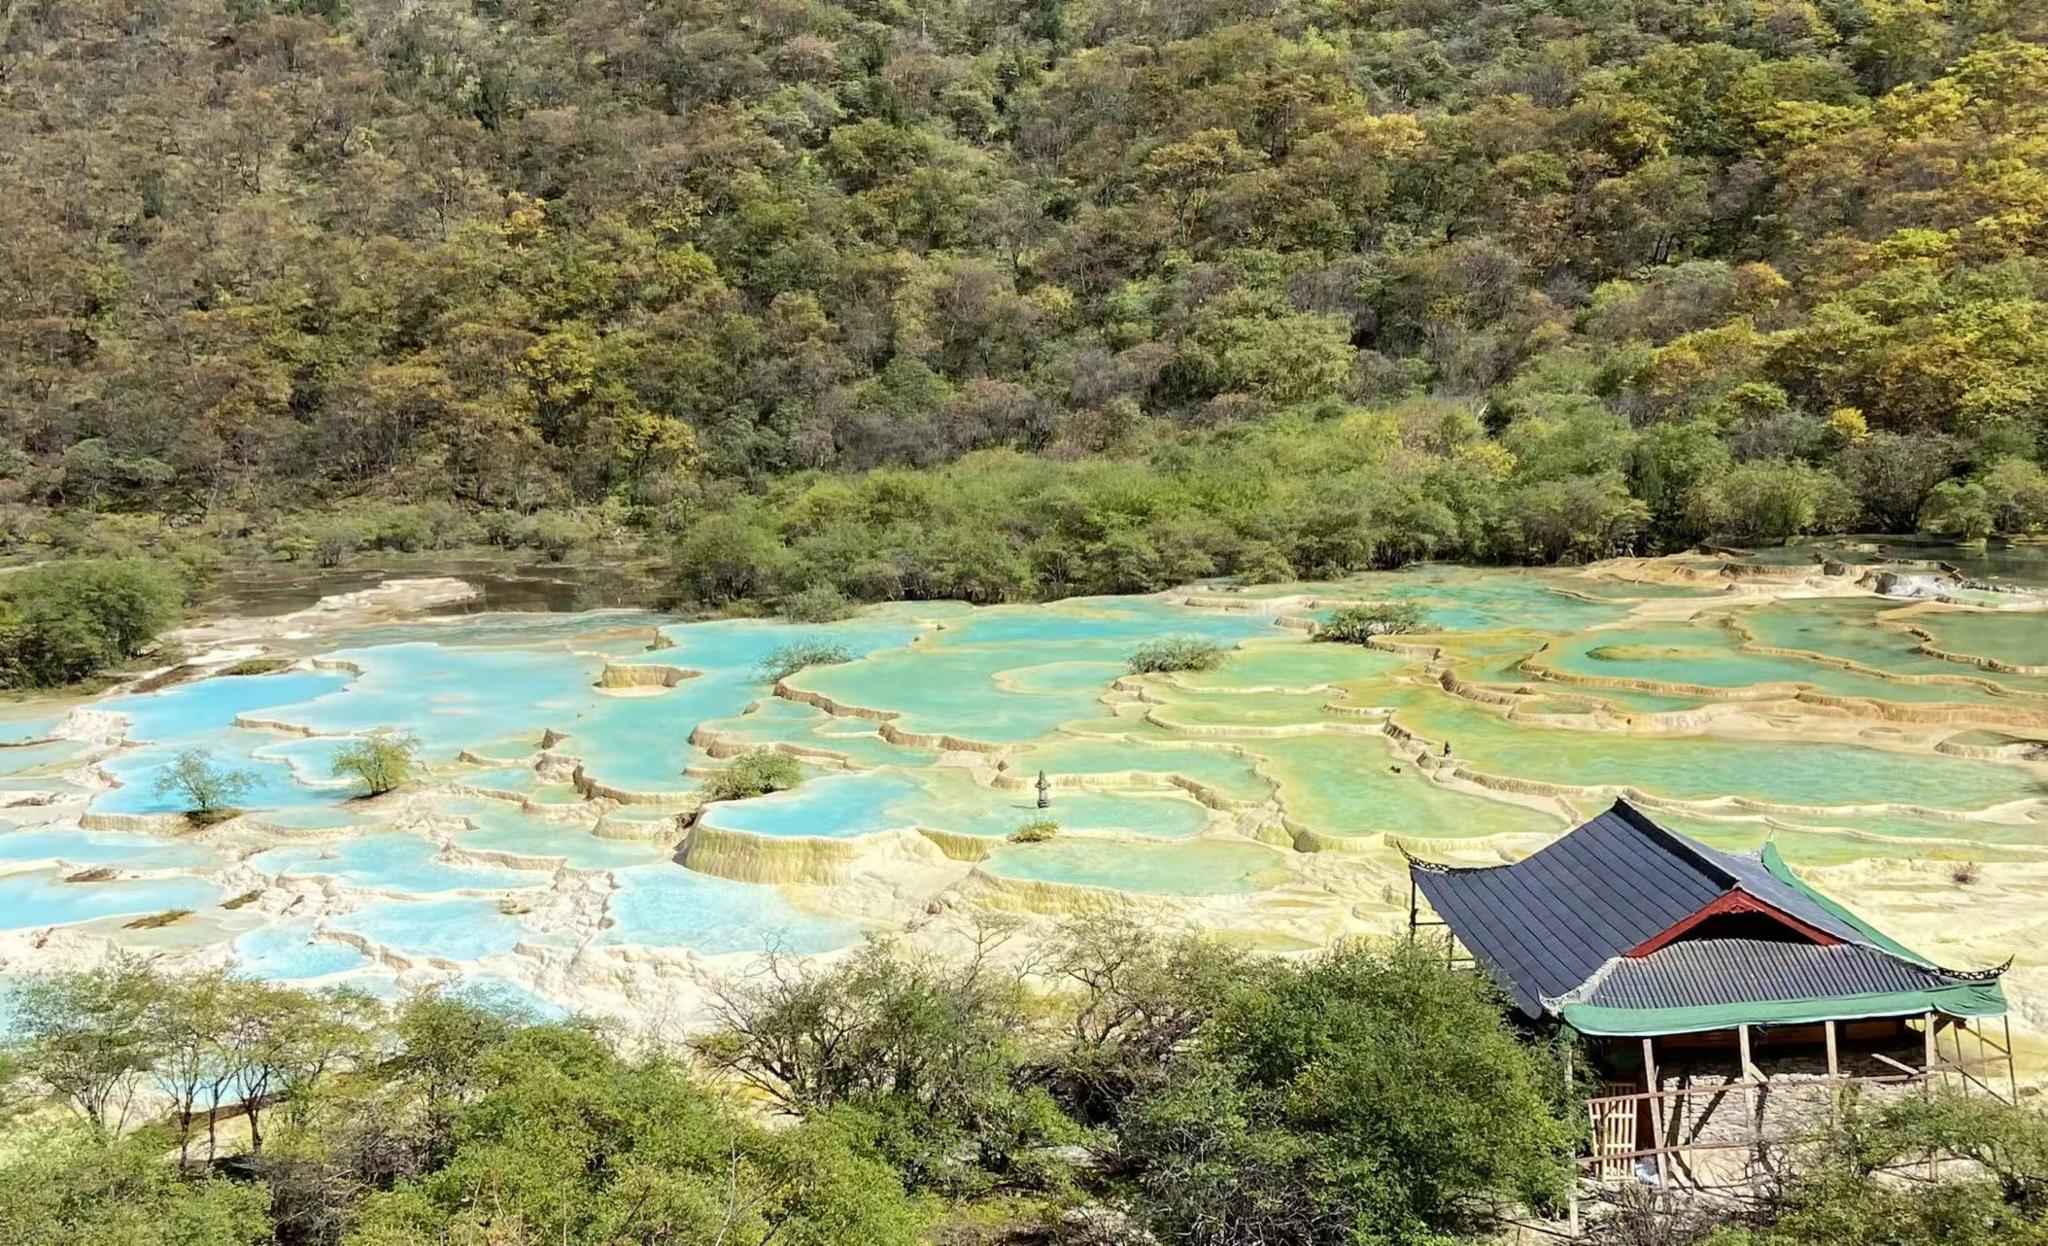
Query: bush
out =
(1959, 510)
(1847, 1189)
(69, 620)
(788, 659)
(377, 1125)
(381, 762)
(1375, 1094)
(820, 603)
(210, 789)
(1175, 653)
(334, 541)
(1355, 625)
(63, 1184)
(925, 1051)
(751, 774)
(1771, 501)
(728, 557)
(557, 534)
(1035, 832)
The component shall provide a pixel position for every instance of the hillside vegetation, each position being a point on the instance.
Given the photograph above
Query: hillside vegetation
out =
(1143, 1090)
(949, 297)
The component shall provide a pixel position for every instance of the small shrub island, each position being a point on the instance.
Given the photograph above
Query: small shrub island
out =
(1356, 625)
(1035, 832)
(754, 773)
(1176, 653)
(787, 660)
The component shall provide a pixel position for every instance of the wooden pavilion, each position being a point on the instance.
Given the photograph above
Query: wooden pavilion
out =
(1703, 979)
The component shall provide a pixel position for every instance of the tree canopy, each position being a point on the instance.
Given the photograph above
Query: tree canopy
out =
(1508, 281)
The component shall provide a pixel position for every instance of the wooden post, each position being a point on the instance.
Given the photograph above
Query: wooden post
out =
(1956, 1029)
(1748, 1077)
(1933, 1055)
(1656, 1106)
(1572, 1225)
(1984, 1057)
(1834, 1073)
(2012, 1079)
(1752, 1114)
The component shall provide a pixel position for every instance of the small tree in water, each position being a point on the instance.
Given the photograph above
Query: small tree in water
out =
(382, 762)
(209, 789)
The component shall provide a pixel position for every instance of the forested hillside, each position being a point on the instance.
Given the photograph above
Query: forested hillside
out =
(997, 299)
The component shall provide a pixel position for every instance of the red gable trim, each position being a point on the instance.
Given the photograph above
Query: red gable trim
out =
(1734, 901)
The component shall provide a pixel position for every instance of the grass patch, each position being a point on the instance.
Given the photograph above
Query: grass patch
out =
(244, 900)
(97, 874)
(1035, 832)
(257, 666)
(157, 921)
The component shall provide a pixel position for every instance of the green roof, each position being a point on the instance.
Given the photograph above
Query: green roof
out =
(1962, 999)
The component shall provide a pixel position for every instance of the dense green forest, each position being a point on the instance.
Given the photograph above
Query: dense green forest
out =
(1139, 1090)
(950, 297)
(822, 301)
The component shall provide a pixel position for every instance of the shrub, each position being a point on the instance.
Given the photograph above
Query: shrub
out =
(69, 620)
(334, 541)
(291, 546)
(1958, 510)
(755, 773)
(557, 534)
(788, 659)
(1175, 653)
(1371, 1091)
(1355, 625)
(926, 1050)
(728, 557)
(1036, 832)
(381, 762)
(256, 666)
(820, 603)
(209, 788)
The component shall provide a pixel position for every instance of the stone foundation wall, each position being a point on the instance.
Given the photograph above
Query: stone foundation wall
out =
(1746, 1130)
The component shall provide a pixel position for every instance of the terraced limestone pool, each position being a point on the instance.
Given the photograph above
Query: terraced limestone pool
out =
(557, 845)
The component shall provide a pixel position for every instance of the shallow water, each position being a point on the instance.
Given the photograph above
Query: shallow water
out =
(1171, 786)
(1203, 868)
(38, 898)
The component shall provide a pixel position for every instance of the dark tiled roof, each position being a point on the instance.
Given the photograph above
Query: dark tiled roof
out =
(1546, 923)
(1695, 973)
